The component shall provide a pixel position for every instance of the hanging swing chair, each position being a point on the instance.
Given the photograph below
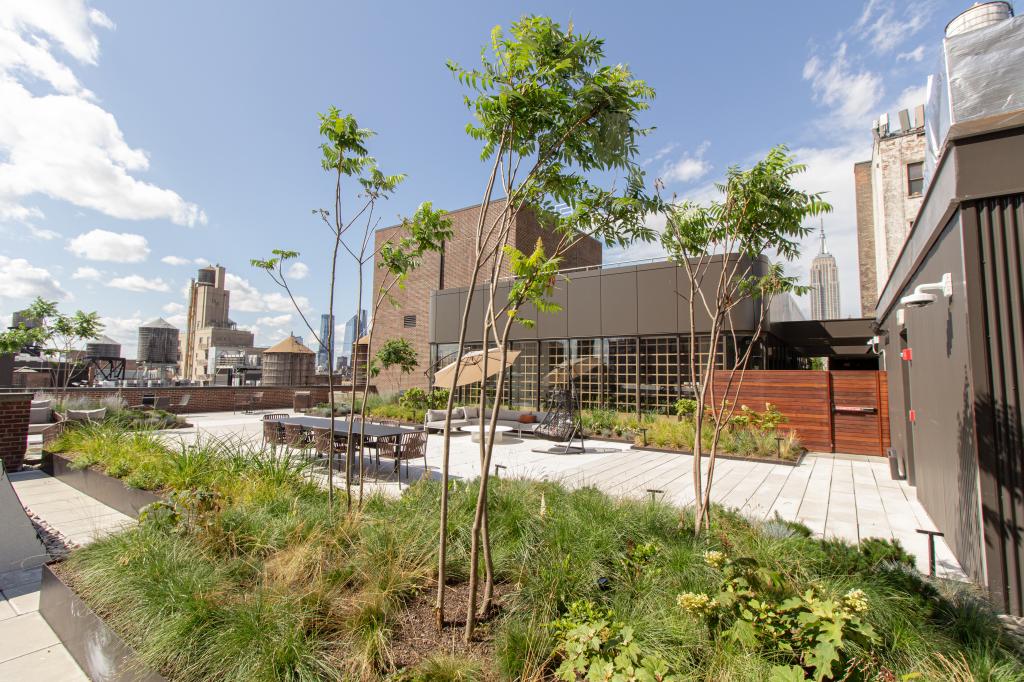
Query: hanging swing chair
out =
(562, 423)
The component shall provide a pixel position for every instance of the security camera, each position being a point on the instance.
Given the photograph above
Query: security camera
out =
(920, 298)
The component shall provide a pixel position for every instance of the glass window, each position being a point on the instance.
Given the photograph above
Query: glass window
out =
(521, 383)
(915, 178)
(620, 381)
(554, 356)
(587, 369)
(659, 375)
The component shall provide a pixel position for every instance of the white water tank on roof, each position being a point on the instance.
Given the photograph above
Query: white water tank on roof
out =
(979, 15)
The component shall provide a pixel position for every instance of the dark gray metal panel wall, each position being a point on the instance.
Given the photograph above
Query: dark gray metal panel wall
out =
(941, 395)
(618, 304)
(583, 305)
(996, 258)
(657, 300)
(626, 301)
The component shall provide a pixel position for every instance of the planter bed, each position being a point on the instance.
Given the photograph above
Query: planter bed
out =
(96, 648)
(98, 485)
(738, 458)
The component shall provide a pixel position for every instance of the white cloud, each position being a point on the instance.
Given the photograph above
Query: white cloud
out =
(124, 330)
(853, 94)
(173, 308)
(247, 298)
(87, 273)
(879, 25)
(175, 260)
(298, 270)
(62, 144)
(138, 283)
(40, 233)
(660, 154)
(178, 320)
(915, 55)
(115, 247)
(688, 168)
(22, 281)
(275, 321)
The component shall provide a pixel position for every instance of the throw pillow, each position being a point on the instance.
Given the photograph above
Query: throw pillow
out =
(471, 412)
(527, 418)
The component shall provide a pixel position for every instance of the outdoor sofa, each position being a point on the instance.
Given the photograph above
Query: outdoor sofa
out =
(524, 422)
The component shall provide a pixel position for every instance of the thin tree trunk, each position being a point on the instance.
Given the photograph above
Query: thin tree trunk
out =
(481, 500)
(330, 375)
(355, 375)
(442, 544)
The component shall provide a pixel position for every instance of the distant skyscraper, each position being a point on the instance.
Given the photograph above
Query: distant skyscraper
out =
(351, 334)
(824, 284)
(323, 354)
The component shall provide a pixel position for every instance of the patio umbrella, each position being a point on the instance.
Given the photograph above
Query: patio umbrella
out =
(472, 371)
(578, 367)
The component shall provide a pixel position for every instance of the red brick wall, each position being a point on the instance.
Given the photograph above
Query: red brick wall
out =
(458, 269)
(14, 412)
(205, 398)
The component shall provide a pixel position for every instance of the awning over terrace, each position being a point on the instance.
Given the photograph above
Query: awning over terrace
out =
(827, 338)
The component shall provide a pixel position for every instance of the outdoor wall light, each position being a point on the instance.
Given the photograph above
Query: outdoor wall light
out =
(921, 297)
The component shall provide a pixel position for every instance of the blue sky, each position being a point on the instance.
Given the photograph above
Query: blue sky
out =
(139, 139)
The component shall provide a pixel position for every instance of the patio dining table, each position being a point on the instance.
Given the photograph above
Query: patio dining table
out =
(376, 432)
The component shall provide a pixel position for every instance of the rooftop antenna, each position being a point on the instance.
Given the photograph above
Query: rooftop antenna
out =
(824, 249)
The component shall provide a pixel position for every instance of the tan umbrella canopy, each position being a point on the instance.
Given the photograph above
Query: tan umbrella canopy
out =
(472, 371)
(578, 367)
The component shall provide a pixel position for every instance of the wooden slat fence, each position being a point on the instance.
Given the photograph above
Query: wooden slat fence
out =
(809, 399)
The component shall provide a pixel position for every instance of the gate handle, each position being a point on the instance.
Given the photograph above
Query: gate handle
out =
(852, 409)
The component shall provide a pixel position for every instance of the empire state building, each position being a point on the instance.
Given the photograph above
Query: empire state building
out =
(824, 284)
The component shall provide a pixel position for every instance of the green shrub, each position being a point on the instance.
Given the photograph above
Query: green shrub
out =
(753, 611)
(686, 407)
(592, 645)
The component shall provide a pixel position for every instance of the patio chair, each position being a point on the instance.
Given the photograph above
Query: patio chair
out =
(410, 445)
(296, 437)
(254, 402)
(180, 406)
(322, 442)
(273, 432)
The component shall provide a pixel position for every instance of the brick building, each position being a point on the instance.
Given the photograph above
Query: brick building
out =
(888, 191)
(452, 268)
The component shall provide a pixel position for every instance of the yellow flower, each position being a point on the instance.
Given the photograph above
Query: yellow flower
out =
(714, 558)
(856, 601)
(696, 603)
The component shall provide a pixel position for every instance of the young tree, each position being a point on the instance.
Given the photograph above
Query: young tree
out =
(343, 154)
(56, 336)
(427, 231)
(397, 353)
(721, 247)
(548, 112)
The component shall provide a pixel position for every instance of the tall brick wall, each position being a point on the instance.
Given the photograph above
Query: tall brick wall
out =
(14, 413)
(894, 209)
(452, 269)
(865, 237)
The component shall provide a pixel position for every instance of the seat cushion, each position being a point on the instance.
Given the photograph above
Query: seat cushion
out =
(436, 416)
(40, 415)
(87, 415)
(508, 415)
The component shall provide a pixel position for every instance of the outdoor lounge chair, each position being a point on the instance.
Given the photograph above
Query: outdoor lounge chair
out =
(45, 421)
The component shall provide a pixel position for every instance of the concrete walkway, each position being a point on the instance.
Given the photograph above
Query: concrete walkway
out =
(29, 649)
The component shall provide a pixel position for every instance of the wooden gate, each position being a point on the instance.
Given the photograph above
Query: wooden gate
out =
(860, 415)
(830, 411)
